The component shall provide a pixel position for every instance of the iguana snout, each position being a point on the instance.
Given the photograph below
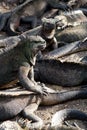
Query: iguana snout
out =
(49, 26)
(38, 43)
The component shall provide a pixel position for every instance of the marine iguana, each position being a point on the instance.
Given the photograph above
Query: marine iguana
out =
(17, 58)
(48, 28)
(53, 71)
(25, 102)
(66, 114)
(47, 32)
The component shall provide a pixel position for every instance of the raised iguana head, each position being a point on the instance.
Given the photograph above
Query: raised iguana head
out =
(23, 47)
(49, 26)
(32, 45)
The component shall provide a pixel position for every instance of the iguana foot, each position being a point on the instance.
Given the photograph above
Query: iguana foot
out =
(42, 89)
(67, 114)
(74, 125)
(22, 122)
(36, 122)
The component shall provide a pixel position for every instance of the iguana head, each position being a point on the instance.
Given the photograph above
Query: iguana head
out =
(49, 26)
(73, 3)
(32, 45)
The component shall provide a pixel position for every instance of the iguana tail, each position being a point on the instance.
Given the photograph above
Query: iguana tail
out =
(67, 114)
(56, 98)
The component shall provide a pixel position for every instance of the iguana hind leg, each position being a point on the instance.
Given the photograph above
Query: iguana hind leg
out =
(28, 113)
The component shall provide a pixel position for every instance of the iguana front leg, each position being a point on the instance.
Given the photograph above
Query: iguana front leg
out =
(31, 75)
(28, 83)
(28, 113)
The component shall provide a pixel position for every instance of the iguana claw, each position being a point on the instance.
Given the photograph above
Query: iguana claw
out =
(74, 125)
(67, 124)
(45, 92)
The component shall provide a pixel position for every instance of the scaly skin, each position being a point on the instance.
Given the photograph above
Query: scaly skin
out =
(72, 34)
(75, 47)
(65, 74)
(14, 102)
(67, 114)
(17, 58)
(48, 28)
(72, 18)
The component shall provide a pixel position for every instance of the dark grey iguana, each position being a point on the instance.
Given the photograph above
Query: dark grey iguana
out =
(14, 102)
(17, 58)
(56, 72)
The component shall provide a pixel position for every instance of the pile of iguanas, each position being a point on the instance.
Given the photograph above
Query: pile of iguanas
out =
(51, 50)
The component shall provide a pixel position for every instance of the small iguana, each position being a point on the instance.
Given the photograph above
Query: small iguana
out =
(51, 70)
(20, 101)
(17, 58)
